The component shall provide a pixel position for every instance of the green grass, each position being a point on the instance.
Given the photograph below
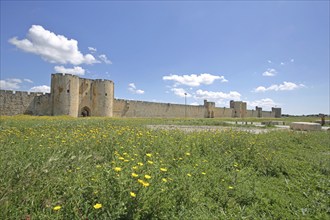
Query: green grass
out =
(73, 164)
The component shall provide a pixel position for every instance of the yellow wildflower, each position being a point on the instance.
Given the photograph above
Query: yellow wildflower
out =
(97, 206)
(135, 168)
(150, 162)
(230, 187)
(140, 164)
(189, 174)
(163, 169)
(56, 208)
(118, 169)
(188, 154)
(203, 173)
(135, 175)
(132, 194)
(164, 180)
(145, 184)
(147, 176)
(98, 166)
(149, 155)
(121, 158)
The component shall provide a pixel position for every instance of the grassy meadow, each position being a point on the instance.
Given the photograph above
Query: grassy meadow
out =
(107, 168)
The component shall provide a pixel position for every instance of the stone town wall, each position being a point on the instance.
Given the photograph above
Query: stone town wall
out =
(32, 103)
(223, 112)
(131, 108)
(268, 114)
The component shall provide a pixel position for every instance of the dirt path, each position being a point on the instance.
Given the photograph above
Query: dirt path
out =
(190, 128)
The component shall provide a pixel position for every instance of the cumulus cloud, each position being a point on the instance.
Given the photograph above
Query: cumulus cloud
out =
(76, 70)
(28, 80)
(264, 103)
(180, 92)
(194, 103)
(92, 49)
(51, 47)
(105, 59)
(217, 96)
(10, 84)
(194, 79)
(132, 89)
(269, 72)
(286, 86)
(42, 88)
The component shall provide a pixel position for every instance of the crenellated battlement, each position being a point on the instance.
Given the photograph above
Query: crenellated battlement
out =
(75, 96)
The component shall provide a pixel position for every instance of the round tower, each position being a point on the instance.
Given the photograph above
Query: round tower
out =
(65, 94)
(103, 96)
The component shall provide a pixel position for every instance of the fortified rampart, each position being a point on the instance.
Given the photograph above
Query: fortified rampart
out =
(75, 96)
(32, 103)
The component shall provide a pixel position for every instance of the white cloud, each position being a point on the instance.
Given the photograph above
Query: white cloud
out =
(105, 59)
(28, 80)
(195, 80)
(132, 89)
(51, 47)
(264, 103)
(76, 70)
(269, 72)
(286, 86)
(43, 88)
(282, 63)
(269, 61)
(292, 60)
(10, 84)
(180, 92)
(218, 97)
(194, 103)
(92, 49)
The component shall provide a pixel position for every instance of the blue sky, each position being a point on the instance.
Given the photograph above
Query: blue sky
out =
(265, 53)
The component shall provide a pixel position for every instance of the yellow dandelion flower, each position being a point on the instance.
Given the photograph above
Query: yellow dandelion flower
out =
(149, 155)
(132, 194)
(203, 173)
(121, 158)
(230, 187)
(140, 181)
(188, 154)
(135, 168)
(163, 169)
(189, 174)
(56, 208)
(164, 180)
(147, 176)
(118, 169)
(126, 161)
(97, 206)
(140, 164)
(150, 162)
(145, 184)
(135, 175)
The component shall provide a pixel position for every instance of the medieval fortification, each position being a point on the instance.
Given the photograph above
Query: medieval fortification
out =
(75, 96)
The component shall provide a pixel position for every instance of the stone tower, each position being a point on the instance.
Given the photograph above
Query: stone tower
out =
(65, 94)
(76, 96)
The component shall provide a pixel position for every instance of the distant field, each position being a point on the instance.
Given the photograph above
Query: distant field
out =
(108, 168)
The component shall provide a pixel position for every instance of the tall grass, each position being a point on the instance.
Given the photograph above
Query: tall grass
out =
(97, 168)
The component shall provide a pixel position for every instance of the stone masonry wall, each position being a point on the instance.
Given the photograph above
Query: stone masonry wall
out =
(32, 103)
(130, 108)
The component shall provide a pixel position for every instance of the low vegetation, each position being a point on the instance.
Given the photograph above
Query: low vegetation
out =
(101, 168)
